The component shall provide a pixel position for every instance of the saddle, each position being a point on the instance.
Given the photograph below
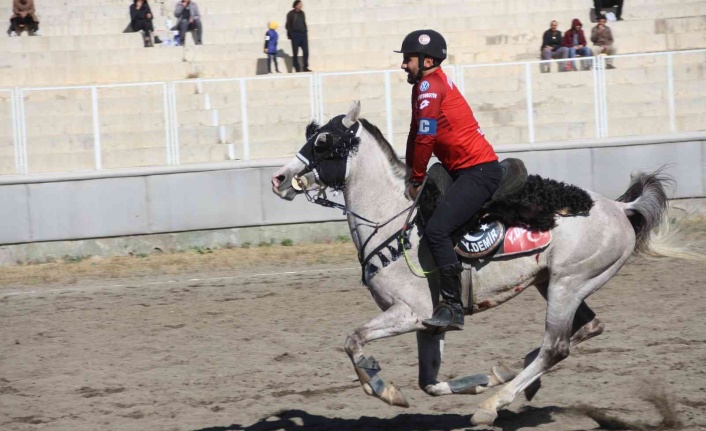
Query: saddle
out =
(486, 235)
(516, 220)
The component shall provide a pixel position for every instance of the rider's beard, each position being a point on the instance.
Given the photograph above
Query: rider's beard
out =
(411, 77)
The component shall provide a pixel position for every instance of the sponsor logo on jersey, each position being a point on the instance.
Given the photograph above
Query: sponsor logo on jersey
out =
(427, 96)
(424, 86)
(424, 104)
(427, 126)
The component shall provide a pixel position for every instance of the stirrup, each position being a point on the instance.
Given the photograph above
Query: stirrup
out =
(450, 324)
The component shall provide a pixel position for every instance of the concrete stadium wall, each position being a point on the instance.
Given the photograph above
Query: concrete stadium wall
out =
(237, 195)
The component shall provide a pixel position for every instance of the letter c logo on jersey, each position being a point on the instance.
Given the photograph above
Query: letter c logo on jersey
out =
(427, 126)
(424, 86)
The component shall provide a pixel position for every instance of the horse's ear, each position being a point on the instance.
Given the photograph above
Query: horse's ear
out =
(311, 129)
(353, 114)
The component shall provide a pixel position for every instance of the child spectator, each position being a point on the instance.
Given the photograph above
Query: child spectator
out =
(552, 47)
(271, 38)
(189, 20)
(23, 17)
(141, 20)
(602, 38)
(575, 41)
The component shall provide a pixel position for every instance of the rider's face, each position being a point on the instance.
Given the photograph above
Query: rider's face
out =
(410, 64)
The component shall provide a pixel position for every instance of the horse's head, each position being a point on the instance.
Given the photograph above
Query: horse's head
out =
(323, 160)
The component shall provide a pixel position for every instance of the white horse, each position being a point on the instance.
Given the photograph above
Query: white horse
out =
(352, 154)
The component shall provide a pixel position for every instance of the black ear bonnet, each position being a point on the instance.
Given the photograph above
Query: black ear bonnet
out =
(327, 150)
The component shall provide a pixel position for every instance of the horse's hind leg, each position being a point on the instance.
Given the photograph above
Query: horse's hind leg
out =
(586, 326)
(430, 348)
(564, 297)
(396, 320)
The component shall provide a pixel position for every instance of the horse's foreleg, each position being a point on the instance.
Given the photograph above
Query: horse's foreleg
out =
(396, 320)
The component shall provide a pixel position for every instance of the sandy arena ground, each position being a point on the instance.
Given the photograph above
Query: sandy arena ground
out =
(252, 340)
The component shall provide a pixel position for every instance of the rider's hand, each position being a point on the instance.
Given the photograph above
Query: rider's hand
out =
(412, 192)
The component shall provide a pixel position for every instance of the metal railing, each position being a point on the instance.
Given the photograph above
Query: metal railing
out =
(179, 101)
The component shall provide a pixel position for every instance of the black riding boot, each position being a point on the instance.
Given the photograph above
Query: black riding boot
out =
(448, 315)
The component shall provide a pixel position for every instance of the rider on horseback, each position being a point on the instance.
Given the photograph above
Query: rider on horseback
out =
(443, 124)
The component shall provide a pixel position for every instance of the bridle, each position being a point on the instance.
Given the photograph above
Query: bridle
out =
(346, 144)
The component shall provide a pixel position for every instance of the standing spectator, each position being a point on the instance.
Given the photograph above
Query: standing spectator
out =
(141, 20)
(602, 38)
(296, 31)
(575, 41)
(271, 38)
(598, 5)
(189, 20)
(552, 47)
(23, 16)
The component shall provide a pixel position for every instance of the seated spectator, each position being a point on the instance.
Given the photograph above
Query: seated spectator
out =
(602, 38)
(575, 41)
(600, 4)
(23, 18)
(552, 47)
(141, 20)
(189, 20)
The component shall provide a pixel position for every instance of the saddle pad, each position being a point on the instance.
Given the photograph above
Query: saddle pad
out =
(491, 241)
(481, 242)
(519, 240)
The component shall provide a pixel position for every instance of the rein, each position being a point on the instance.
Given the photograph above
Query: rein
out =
(348, 138)
(321, 199)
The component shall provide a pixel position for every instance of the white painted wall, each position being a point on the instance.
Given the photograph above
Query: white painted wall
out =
(157, 200)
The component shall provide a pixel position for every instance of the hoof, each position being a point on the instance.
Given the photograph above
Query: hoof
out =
(392, 396)
(484, 417)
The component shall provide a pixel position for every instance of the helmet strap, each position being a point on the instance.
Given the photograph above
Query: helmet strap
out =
(421, 57)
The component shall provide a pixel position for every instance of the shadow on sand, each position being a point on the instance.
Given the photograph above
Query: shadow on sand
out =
(297, 420)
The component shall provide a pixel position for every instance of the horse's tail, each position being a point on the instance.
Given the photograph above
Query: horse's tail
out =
(646, 208)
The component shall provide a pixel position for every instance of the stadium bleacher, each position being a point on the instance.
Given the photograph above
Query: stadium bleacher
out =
(82, 44)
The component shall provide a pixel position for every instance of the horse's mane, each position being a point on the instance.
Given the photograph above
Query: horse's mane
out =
(399, 168)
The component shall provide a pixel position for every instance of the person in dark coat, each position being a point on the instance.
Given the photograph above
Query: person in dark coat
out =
(552, 47)
(271, 38)
(141, 20)
(575, 41)
(297, 32)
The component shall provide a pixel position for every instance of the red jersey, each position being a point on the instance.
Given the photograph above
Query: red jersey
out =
(443, 123)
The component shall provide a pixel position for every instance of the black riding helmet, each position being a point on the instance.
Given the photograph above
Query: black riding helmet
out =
(425, 43)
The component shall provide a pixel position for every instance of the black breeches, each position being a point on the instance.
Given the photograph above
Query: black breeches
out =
(472, 187)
